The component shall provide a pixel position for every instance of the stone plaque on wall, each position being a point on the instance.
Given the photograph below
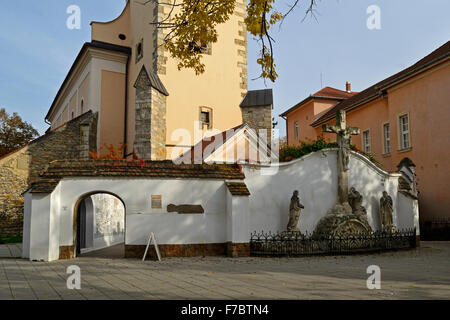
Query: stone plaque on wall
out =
(156, 202)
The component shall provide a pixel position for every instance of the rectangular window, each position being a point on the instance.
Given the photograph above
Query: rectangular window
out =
(206, 118)
(387, 138)
(366, 141)
(297, 130)
(404, 132)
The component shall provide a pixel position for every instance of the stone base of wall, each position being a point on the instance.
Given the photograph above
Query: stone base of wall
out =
(238, 250)
(66, 252)
(177, 250)
(229, 249)
(11, 221)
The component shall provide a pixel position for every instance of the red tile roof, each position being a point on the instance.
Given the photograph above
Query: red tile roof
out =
(328, 93)
(379, 88)
(57, 170)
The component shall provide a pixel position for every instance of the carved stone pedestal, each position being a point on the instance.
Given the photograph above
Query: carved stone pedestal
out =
(342, 221)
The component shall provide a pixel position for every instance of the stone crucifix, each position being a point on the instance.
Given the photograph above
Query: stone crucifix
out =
(344, 135)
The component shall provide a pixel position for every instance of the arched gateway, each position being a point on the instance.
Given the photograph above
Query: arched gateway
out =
(68, 211)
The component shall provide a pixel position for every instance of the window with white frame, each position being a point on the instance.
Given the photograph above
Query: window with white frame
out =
(404, 129)
(297, 131)
(366, 141)
(387, 138)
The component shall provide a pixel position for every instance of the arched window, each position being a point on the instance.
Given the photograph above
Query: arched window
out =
(82, 106)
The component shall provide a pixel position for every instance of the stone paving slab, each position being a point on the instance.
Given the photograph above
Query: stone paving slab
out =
(11, 250)
(422, 273)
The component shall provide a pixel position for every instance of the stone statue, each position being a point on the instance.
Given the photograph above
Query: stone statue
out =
(344, 135)
(386, 205)
(355, 200)
(294, 212)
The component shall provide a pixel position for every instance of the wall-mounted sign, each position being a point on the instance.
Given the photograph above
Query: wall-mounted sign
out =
(156, 202)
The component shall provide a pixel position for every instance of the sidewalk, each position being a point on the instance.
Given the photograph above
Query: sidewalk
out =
(11, 250)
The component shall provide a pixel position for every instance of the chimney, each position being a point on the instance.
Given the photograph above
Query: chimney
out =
(348, 87)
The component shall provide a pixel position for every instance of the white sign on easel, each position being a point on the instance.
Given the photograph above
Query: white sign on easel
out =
(151, 239)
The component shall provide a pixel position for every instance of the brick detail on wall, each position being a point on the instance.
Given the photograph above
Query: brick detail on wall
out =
(160, 52)
(238, 250)
(66, 252)
(19, 169)
(241, 44)
(177, 250)
(259, 117)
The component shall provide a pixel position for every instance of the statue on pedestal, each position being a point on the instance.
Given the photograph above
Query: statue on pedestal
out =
(294, 213)
(386, 208)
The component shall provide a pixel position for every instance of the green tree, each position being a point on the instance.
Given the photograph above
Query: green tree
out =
(14, 132)
(191, 23)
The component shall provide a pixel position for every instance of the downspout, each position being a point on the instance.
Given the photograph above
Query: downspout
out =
(287, 129)
(125, 126)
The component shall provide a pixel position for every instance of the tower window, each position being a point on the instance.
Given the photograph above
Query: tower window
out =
(122, 36)
(205, 118)
(139, 51)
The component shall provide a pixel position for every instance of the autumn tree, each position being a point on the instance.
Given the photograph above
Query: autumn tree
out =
(14, 132)
(191, 22)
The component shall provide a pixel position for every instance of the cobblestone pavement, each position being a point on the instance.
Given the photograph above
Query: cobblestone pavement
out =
(422, 273)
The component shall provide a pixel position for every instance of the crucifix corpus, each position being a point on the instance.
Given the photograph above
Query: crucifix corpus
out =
(344, 135)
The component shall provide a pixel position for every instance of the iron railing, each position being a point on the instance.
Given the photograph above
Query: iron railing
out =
(296, 244)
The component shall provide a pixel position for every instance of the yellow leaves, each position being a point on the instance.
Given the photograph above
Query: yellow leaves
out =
(193, 28)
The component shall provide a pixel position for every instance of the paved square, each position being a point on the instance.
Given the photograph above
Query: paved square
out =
(422, 273)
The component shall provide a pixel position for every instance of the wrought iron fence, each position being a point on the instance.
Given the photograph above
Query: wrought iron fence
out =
(296, 244)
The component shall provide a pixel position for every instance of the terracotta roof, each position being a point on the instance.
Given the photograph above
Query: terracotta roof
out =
(206, 142)
(328, 93)
(57, 170)
(238, 188)
(258, 98)
(153, 81)
(378, 89)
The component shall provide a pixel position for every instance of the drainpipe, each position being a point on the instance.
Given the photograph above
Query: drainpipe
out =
(125, 127)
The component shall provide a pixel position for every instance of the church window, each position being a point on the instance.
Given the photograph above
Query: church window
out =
(122, 37)
(366, 141)
(206, 118)
(72, 115)
(297, 131)
(139, 50)
(82, 106)
(200, 46)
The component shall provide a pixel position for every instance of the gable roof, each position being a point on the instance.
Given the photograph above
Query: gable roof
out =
(57, 170)
(204, 143)
(86, 46)
(378, 89)
(258, 98)
(151, 79)
(327, 93)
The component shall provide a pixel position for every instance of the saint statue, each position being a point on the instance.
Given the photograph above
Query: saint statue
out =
(294, 212)
(355, 201)
(386, 211)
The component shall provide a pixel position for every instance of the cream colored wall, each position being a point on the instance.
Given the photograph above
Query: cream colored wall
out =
(111, 110)
(109, 31)
(83, 94)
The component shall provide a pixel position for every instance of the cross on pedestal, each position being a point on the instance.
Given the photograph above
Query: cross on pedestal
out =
(344, 135)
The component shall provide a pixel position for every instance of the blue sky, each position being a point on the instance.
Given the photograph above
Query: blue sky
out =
(37, 50)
